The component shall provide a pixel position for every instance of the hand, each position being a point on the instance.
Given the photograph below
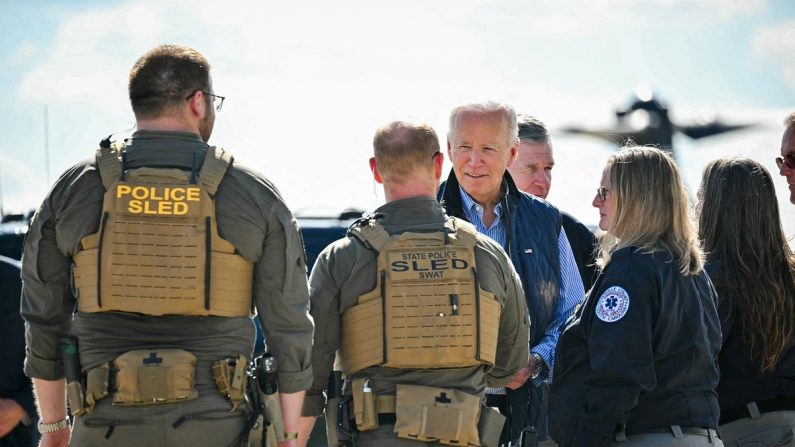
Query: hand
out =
(523, 374)
(520, 378)
(58, 438)
(11, 413)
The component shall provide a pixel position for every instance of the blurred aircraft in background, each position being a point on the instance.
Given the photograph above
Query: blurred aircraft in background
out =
(646, 122)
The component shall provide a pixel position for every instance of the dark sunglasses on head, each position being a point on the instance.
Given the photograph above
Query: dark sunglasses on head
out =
(788, 160)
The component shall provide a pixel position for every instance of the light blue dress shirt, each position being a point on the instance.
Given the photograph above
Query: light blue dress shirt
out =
(571, 289)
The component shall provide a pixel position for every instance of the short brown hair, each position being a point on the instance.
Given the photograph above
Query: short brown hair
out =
(401, 148)
(790, 120)
(165, 76)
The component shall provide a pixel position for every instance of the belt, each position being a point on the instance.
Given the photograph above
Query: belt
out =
(676, 431)
(755, 409)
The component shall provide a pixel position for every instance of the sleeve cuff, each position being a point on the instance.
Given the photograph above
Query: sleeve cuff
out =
(313, 405)
(293, 382)
(38, 368)
(548, 354)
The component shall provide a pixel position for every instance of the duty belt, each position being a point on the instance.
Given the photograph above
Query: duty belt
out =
(755, 409)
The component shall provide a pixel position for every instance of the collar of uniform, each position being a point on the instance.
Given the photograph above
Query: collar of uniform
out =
(165, 135)
(165, 149)
(409, 212)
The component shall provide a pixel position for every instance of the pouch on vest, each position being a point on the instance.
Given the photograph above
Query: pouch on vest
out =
(364, 410)
(148, 377)
(427, 309)
(97, 379)
(443, 415)
(157, 251)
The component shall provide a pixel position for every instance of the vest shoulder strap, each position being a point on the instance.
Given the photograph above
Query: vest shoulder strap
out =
(372, 234)
(465, 232)
(109, 163)
(216, 162)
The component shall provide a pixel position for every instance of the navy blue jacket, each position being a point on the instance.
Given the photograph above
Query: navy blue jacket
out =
(640, 352)
(532, 243)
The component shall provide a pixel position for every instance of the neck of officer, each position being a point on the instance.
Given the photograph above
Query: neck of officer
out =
(168, 123)
(411, 187)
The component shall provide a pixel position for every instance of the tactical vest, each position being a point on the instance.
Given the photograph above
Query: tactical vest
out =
(157, 251)
(427, 309)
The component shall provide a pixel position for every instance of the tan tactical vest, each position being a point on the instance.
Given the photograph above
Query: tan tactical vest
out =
(157, 251)
(427, 309)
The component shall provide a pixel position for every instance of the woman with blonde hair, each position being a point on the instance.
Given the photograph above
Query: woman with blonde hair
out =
(636, 364)
(753, 269)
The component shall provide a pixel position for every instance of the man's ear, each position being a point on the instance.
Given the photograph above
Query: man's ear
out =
(514, 152)
(438, 162)
(198, 104)
(374, 169)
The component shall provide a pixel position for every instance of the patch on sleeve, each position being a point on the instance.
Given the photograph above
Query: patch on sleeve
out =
(612, 305)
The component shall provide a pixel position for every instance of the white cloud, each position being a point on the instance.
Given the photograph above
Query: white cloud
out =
(777, 45)
(308, 82)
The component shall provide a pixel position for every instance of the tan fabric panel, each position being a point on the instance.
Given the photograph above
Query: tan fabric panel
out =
(434, 315)
(154, 250)
(490, 310)
(362, 336)
(443, 415)
(148, 377)
(231, 283)
(84, 277)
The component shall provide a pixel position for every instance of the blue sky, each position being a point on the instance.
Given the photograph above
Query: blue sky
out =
(309, 82)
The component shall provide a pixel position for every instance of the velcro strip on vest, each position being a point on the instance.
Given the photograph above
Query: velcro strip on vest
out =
(427, 310)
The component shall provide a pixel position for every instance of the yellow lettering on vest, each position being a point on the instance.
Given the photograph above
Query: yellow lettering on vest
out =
(178, 194)
(148, 208)
(135, 206)
(153, 194)
(165, 207)
(194, 194)
(122, 190)
(140, 192)
(180, 208)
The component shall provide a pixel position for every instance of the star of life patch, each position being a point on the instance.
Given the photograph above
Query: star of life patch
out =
(612, 305)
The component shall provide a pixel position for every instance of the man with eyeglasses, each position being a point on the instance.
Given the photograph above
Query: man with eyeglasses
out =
(532, 172)
(482, 142)
(786, 163)
(141, 270)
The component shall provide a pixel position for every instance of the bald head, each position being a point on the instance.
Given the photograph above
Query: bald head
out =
(405, 149)
(406, 158)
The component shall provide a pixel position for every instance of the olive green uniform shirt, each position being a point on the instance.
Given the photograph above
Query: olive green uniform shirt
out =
(346, 269)
(251, 215)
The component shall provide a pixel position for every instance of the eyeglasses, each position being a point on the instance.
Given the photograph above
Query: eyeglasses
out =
(218, 100)
(602, 193)
(788, 160)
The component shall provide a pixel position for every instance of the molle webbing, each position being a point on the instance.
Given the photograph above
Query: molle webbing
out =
(158, 252)
(426, 310)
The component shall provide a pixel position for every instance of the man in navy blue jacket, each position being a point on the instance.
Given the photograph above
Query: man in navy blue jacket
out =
(482, 142)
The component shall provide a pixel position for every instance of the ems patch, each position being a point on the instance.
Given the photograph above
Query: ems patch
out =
(612, 305)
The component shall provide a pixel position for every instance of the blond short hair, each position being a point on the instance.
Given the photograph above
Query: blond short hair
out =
(652, 208)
